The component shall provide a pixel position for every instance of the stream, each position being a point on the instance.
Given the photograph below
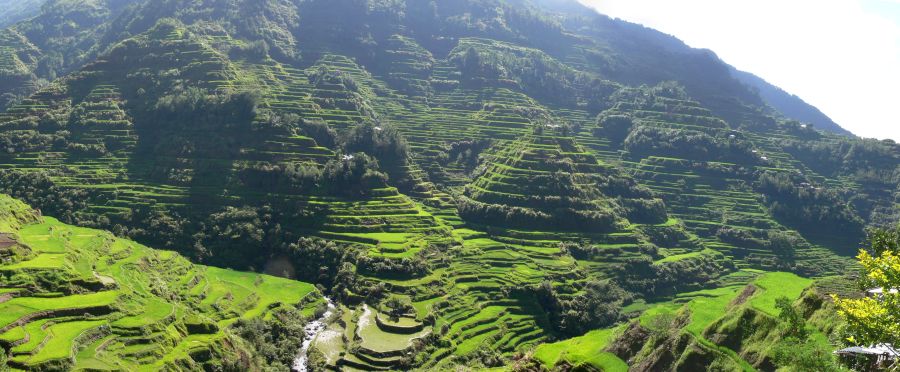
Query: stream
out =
(311, 330)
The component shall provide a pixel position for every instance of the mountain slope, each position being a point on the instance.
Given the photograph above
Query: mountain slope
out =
(466, 178)
(12, 11)
(788, 104)
(734, 328)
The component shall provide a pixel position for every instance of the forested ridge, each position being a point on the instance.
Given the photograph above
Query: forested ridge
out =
(480, 183)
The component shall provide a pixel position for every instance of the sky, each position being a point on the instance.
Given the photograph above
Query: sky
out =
(842, 56)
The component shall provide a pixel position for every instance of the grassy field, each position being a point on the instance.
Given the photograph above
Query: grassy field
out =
(587, 349)
(775, 285)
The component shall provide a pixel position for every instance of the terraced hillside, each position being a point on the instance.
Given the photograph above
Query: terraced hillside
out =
(78, 298)
(696, 330)
(467, 179)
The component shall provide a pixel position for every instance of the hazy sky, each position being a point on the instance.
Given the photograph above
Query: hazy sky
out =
(842, 56)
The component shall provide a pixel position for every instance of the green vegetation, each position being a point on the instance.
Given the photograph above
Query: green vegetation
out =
(586, 349)
(775, 286)
(111, 303)
(873, 320)
(469, 181)
(731, 326)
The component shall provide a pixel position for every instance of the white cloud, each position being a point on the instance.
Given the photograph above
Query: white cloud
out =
(838, 55)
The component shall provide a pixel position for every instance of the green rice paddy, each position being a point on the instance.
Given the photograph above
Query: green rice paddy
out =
(137, 300)
(88, 300)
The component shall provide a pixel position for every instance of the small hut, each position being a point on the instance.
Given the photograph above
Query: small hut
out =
(879, 292)
(874, 357)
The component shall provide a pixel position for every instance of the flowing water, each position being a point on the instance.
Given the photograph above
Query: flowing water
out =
(311, 330)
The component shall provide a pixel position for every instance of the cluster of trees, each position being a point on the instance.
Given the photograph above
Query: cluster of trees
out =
(782, 244)
(591, 252)
(635, 201)
(398, 306)
(383, 141)
(642, 275)
(191, 123)
(256, 51)
(350, 175)
(465, 153)
(325, 76)
(665, 236)
(802, 130)
(597, 306)
(13, 142)
(614, 127)
(648, 211)
(867, 160)
(792, 199)
(197, 107)
(318, 261)
(276, 339)
(403, 268)
(534, 72)
(368, 148)
(721, 170)
(39, 190)
(284, 177)
(597, 219)
(224, 235)
(561, 185)
(316, 129)
(353, 177)
(687, 144)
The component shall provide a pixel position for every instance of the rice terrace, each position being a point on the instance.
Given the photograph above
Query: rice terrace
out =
(412, 185)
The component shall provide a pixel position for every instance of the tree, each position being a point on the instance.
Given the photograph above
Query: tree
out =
(796, 350)
(616, 127)
(783, 244)
(876, 320)
(472, 61)
(383, 142)
(598, 306)
(795, 325)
